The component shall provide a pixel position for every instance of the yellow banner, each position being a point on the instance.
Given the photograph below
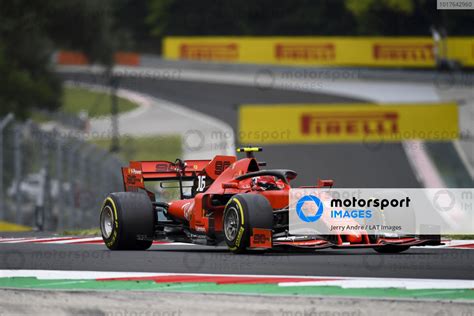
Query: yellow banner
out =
(324, 51)
(335, 123)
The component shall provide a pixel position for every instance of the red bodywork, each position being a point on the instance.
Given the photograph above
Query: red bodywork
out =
(218, 178)
(221, 171)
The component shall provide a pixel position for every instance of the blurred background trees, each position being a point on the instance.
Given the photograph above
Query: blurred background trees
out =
(30, 31)
(304, 17)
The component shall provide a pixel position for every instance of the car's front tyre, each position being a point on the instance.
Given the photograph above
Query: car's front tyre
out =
(242, 214)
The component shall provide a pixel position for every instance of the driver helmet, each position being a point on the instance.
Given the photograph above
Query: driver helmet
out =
(262, 183)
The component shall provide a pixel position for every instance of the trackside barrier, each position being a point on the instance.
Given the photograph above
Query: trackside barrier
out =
(78, 58)
(53, 179)
(336, 123)
(321, 51)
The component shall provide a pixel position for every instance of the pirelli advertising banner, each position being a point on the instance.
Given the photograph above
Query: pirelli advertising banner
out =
(330, 51)
(336, 123)
(380, 211)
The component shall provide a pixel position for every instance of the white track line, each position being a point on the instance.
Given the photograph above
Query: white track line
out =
(35, 240)
(72, 275)
(72, 241)
(409, 284)
(76, 240)
(10, 239)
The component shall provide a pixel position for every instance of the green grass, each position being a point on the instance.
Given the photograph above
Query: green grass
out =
(40, 117)
(93, 102)
(146, 148)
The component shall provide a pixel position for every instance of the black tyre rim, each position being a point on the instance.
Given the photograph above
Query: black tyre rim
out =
(231, 223)
(107, 221)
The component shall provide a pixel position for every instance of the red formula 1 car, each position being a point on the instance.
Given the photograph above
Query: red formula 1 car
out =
(228, 200)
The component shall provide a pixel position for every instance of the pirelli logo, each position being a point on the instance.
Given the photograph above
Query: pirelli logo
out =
(345, 51)
(349, 123)
(219, 52)
(395, 52)
(340, 123)
(305, 52)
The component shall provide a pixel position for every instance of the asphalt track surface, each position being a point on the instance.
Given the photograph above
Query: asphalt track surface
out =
(350, 165)
(415, 263)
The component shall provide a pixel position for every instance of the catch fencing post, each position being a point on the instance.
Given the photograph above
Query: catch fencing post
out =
(99, 177)
(17, 169)
(3, 124)
(59, 179)
(84, 175)
(72, 175)
(115, 141)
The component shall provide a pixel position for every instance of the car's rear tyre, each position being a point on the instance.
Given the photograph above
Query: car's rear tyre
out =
(242, 213)
(391, 249)
(126, 221)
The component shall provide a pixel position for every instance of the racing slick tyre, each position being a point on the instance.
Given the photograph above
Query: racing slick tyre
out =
(242, 213)
(126, 221)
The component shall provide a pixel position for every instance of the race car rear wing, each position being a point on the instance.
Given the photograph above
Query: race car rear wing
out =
(139, 171)
(135, 175)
